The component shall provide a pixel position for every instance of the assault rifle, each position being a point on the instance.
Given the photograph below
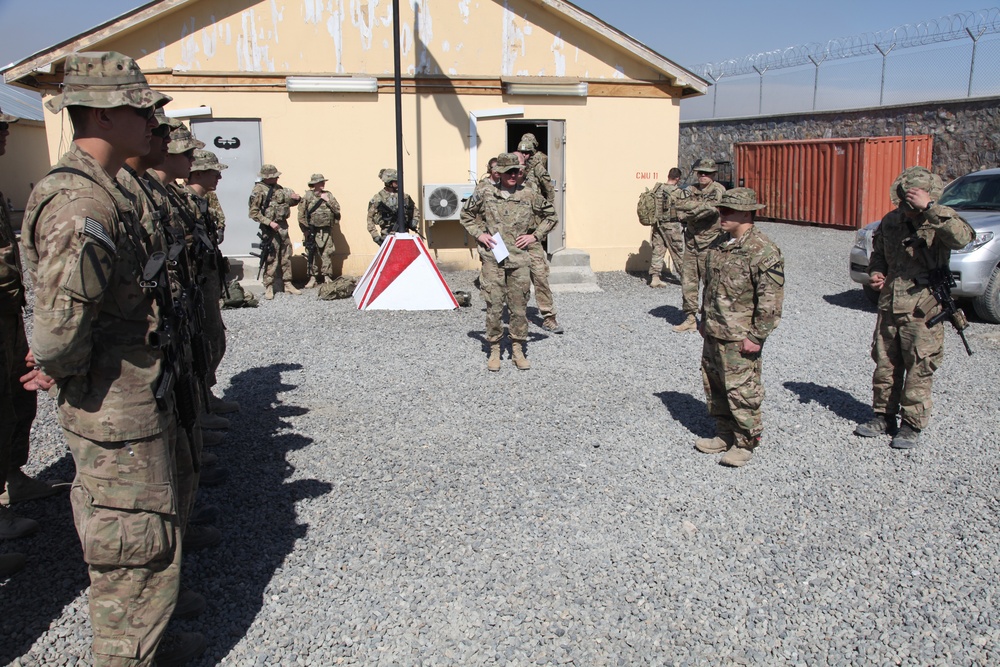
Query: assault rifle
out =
(266, 253)
(389, 215)
(221, 261)
(180, 335)
(940, 281)
(309, 241)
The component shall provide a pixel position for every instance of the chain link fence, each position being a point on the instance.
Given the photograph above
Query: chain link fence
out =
(950, 58)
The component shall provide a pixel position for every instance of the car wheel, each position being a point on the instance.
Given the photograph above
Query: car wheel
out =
(987, 304)
(871, 294)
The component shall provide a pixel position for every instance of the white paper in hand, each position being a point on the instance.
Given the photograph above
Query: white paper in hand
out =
(500, 251)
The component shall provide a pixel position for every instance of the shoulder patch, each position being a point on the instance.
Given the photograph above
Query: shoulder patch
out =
(96, 231)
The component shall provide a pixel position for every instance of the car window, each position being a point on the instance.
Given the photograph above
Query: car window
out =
(972, 192)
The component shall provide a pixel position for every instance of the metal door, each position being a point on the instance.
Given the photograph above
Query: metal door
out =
(238, 145)
(557, 170)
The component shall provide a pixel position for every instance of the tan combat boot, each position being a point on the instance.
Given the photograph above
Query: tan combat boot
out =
(690, 324)
(269, 293)
(737, 457)
(655, 281)
(292, 289)
(716, 445)
(493, 363)
(517, 354)
(311, 283)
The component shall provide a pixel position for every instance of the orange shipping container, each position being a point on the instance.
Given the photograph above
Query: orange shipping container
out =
(839, 182)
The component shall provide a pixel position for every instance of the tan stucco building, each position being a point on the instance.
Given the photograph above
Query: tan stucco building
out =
(267, 82)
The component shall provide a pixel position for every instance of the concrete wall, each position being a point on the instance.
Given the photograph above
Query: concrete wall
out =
(24, 163)
(966, 132)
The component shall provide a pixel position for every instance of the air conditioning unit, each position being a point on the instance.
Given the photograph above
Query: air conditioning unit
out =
(444, 201)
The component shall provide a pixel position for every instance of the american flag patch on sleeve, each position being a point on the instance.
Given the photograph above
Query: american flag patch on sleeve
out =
(94, 230)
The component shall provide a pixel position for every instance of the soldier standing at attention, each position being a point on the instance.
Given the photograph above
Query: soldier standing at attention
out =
(668, 233)
(912, 240)
(744, 289)
(318, 213)
(270, 207)
(17, 403)
(522, 217)
(383, 208)
(85, 247)
(537, 177)
(702, 228)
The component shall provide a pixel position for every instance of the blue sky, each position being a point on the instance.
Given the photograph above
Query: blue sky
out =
(688, 33)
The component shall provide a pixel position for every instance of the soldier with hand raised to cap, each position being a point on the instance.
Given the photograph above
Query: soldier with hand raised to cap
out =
(270, 207)
(87, 251)
(744, 291)
(701, 220)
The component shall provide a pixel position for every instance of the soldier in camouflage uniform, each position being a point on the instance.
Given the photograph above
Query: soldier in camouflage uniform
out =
(912, 240)
(701, 220)
(318, 213)
(270, 207)
(537, 177)
(383, 208)
(744, 290)
(522, 217)
(86, 249)
(668, 232)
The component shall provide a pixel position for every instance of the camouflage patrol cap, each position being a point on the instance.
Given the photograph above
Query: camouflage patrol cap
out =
(915, 177)
(104, 80)
(705, 165)
(268, 171)
(206, 161)
(316, 178)
(7, 118)
(528, 137)
(388, 175)
(526, 147)
(507, 162)
(182, 141)
(740, 199)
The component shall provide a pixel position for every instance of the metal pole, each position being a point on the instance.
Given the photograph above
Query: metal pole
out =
(400, 226)
(817, 63)
(972, 65)
(760, 96)
(881, 91)
(715, 91)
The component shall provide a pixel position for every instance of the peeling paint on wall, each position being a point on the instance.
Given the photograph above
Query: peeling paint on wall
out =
(335, 26)
(229, 35)
(189, 45)
(313, 11)
(210, 39)
(511, 42)
(276, 18)
(250, 56)
(557, 53)
(619, 72)
(463, 10)
(364, 26)
(161, 55)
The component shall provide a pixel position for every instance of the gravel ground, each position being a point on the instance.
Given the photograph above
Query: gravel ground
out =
(393, 503)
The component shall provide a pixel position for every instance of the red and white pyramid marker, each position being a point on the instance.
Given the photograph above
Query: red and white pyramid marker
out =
(403, 277)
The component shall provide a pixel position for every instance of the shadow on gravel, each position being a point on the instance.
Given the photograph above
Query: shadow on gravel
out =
(837, 401)
(671, 314)
(689, 411)
(854, 299)
(54, 576)
(259, 525)
(533, 337)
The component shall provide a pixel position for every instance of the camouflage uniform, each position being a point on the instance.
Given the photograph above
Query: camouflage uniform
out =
(17, 404)
(701, 221)
(906, 352)
(85, 248)
(524, 211)
(668, 232)
(279, 208)
(383, 209)
(744, 290)
(537, 177)
(318, 215)
(218, 215)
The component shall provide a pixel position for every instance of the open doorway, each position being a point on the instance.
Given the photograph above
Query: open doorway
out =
(551, 136)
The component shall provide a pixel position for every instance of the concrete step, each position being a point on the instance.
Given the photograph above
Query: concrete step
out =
(570, 257)
(571, 272)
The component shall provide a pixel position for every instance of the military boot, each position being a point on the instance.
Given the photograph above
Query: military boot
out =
(517, 354)
(550, 324)
(716, 445)
(907, 437)
(208, 420)
(13, 526)
(311, 283)
(737, 457)
(200, 536)
(493, 363)
(269, 293)
(689, 324)
(655, 281)
(211, 438)
(179, 649)
(189, 604)
(20, 488)
(292, 289)
(880, 424)
(10, 564)
(220, 406)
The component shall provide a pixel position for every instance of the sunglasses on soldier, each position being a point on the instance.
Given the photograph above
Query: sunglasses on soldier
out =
(144, 112)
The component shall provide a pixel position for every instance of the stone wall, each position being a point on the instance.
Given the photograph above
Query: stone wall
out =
(966, 132)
